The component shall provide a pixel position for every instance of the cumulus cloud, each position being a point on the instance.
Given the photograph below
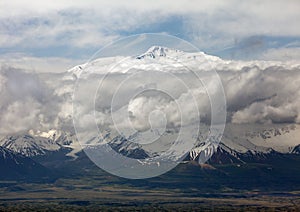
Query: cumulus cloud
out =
(163, 111)
(263, 95)
(262, 112)
(27, 102)
(20, 116)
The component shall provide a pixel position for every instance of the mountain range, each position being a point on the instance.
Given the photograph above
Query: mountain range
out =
(26, 154)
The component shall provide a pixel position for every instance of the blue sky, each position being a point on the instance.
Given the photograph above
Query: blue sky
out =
(65, 33)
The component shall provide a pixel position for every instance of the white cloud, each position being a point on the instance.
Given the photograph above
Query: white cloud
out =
(20, 7)
(269, 94)
(282, 54)
(263, 112)
(38, 64)
(211, 24)
(20, 116)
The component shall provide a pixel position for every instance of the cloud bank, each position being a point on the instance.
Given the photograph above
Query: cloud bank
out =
(256, 92)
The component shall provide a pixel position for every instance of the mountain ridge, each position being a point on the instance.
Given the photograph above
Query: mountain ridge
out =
(228, 147)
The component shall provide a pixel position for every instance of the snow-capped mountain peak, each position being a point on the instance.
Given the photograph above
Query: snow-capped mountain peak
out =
(158, 51)
(38, 143)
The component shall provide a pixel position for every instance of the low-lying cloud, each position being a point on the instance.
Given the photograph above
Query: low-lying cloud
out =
(27, 102)
(269, 95)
